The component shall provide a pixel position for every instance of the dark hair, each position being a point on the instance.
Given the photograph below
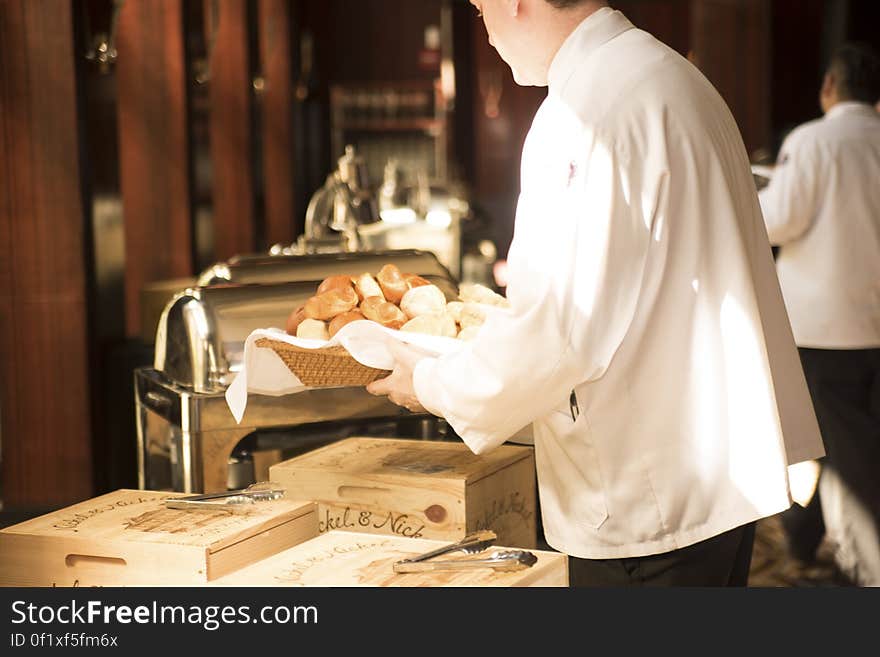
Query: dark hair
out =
(856, 69)
(564, 4)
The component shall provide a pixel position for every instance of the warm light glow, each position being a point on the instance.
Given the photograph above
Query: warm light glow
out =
(439, 218)
(398, 216)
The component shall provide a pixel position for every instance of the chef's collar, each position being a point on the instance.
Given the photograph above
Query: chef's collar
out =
(599, 27)
(849, 107)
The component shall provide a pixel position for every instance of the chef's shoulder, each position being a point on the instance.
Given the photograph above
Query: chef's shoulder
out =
(802, 142)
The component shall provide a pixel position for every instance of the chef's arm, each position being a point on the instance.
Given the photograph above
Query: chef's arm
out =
(788, 202)
(575, 275)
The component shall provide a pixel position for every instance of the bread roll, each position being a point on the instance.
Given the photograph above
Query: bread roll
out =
(471, 315)
(312, 329)
(454, 309)
(383, 312)
(295, 319)
(334, 283)
(436, 324)
(423, 300)
(414, 280)
(393, 283)
(334, 302)
(476, 293)
(468, 333)
(341, 320)
(366, 286)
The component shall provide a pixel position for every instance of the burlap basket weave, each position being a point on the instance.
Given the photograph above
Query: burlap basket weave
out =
(323, 368)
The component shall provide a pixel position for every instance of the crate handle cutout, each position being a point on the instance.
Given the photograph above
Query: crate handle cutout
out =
(346, 491)
(75, 560)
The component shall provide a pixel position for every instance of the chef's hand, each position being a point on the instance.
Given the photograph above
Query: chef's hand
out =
(398, 386)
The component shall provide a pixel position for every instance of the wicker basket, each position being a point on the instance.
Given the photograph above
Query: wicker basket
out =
(323, 368)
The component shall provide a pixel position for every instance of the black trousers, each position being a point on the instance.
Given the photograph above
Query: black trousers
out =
(722, 560)
(845, 389)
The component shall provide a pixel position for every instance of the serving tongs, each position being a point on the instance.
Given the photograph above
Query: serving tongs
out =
(500, 560)
(236, 501)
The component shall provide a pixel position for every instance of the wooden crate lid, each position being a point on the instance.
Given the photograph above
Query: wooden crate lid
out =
(341, 558)
(406, 459)
(140, 516)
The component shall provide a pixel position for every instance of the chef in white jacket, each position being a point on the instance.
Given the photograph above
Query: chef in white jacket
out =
(822, 207)
(647, 339)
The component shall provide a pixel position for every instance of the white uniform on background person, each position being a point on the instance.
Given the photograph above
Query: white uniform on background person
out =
(822, 207)
(641, 278)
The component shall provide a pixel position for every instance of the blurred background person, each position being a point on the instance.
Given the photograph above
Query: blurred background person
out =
(822, 208)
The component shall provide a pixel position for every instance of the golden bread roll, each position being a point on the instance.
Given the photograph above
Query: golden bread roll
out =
(295, 319)
(414, 280)
(383, 312)
(423, 300)
(334, 283)
(471, 315)
(436, 324)
(334, 302)
(476, 293)
(468, 333)
(393, 283)
(312, 329)
(345, 318)
(366, 286)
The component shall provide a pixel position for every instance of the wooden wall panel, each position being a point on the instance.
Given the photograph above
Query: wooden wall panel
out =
(153, 148)
(44, 392)
(502, 115)
(283, 220)
(732, 46)
(230, 128)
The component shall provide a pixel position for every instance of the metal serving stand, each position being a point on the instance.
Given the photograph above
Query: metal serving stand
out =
(187, 438)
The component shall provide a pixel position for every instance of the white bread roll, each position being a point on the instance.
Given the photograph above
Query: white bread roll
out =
(440, 324)
(472, 314)
(468, 333)
(312, 329)
(423, 300)
(454, 308)
(367, 286)
(476, 293)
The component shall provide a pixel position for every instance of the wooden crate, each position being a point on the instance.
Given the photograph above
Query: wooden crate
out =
(128, 537)
(417, 488)
(341, 558)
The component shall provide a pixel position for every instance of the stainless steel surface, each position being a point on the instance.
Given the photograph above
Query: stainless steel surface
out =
(470, 544)
(177, 427)
(201, 333)
(315, 267)
(501, 561)
(341, 205)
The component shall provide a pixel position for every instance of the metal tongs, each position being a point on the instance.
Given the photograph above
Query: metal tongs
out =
(231, 500)
(499, 560)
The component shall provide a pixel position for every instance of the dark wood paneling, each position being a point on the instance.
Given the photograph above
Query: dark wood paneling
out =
(153, 148)
(46, 436)
(283, 219)
(502, 114)
(796, 64)
(668, 20)
(230, 127)
(731, 45)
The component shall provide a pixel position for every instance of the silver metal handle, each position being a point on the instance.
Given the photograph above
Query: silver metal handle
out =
(482, 539)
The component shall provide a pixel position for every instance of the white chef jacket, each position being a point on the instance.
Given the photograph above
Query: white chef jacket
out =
(642, 278)
(823, 207)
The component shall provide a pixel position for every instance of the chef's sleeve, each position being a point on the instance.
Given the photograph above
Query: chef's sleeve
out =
(575, 271)
(788, 202)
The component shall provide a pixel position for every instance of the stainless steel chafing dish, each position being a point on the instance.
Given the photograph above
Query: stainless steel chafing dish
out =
(187, 438)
